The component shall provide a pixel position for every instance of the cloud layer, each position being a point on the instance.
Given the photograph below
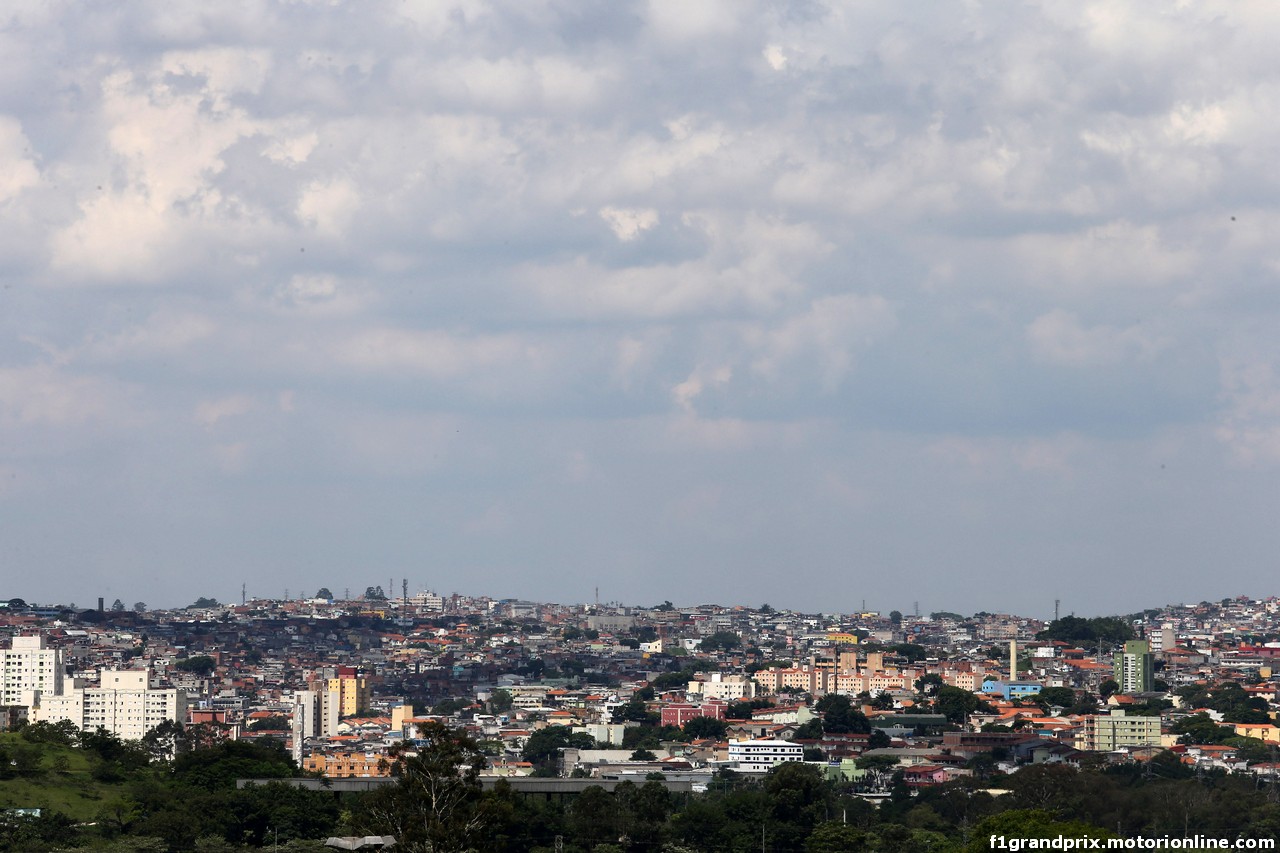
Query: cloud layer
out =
(807, 302)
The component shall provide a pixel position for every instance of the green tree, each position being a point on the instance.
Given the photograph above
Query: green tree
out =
(835, 837)
(500, 701)
(542, 749)
(324, 593)
(1029, 823)
(200, 664)
(1064, 697)
(705, 727)
(437, 803)
(956, 704)
(720, 640)
(840, 717)
(930, 684)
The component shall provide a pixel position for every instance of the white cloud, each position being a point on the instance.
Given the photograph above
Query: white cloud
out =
(1250, 424)
(1059, 337)
(210, 412)
(42, 395)
(18, 170)
(629, 223)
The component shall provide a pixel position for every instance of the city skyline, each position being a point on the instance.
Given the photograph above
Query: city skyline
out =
(806, 303)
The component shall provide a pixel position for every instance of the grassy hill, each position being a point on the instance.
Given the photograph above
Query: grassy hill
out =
(51, 776)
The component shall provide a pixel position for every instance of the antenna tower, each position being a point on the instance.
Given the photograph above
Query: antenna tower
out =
(242, 595)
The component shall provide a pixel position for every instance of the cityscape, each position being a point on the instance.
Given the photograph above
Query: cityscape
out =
(639, 426)
(551, 700)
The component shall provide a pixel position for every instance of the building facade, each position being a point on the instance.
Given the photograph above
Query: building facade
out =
(29, 665)
(757, 756)
(123, 703)
(1134, 667)
(1110, 732)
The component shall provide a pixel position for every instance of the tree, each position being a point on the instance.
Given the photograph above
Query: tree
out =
(500, 701)
(643, 755)
(930, 684)
(203, 603)
(895, 616)
(726, 640)
(438, 804)
(199, 664)
(1073, 629)
(324, 593)
(375, 593)
(956, 703)
(1200, 728)
(835, 837)
(705, 727)
(810, 730)
(1108, 687)
(1063, 697)
(542, 749)
(139, 607)
(117, 606)
(840, 717)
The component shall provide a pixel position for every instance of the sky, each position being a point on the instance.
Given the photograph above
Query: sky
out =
(963, 306)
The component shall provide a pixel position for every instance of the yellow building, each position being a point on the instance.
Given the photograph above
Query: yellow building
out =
(352, 692)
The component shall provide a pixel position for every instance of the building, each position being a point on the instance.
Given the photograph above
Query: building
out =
(730, 688)
(347, 765)
(1110, 732)
(123, 703)
(679, 713)
(1134, 667)
(757, 756)
(352, 690)
(30, 665)
(1013, 690)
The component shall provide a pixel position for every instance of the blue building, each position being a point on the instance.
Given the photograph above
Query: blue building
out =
(1010, 690)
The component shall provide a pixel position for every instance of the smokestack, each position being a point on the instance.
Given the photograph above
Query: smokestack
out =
(1013, 660)
(99, 604)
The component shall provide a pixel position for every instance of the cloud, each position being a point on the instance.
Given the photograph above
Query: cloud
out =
(826, 275)
(1059, 337)
(42, 395)
(210, 412)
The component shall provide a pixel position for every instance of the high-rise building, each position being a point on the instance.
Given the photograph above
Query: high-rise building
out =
(1134, 667)
(29, 665)
(352, 690)
(123, 703)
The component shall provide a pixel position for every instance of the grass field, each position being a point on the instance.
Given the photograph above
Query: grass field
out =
(61, 782)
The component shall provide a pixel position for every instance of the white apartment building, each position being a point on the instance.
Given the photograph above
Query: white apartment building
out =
(30, 665)
(757, 756)
(124, 703)
(730, 688)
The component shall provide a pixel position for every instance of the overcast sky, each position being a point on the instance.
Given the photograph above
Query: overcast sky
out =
(806, 303)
